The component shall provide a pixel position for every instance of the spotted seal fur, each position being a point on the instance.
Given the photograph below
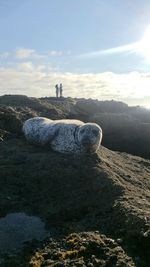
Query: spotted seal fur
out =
(65, 136)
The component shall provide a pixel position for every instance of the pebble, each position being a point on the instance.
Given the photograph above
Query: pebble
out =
(119, 240)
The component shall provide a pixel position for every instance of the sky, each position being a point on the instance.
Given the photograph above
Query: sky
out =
(97, 49)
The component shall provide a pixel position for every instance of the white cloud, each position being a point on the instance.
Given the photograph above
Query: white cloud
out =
(31, 54)
(26, 66)
(30, 67)
(55, 53)
(59, 53)
(23, 53)
(132, 48)
(38, 81)
(4, 55)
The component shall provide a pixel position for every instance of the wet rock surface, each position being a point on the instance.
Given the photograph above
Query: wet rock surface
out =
(17, 228)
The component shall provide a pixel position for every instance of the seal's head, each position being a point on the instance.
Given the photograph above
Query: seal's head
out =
(90, 136)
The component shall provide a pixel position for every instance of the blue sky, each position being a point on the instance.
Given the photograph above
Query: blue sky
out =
(47, 41)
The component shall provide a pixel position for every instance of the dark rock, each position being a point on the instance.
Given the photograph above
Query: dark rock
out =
(101, 198)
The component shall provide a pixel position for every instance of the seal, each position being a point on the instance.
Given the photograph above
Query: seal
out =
(64, 136)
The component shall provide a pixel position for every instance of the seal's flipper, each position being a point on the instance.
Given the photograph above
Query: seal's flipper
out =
(50, 134)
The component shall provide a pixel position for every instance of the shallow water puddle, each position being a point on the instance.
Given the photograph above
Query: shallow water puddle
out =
(17, 228)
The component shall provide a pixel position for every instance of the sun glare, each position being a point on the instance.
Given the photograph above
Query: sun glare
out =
(143, 46)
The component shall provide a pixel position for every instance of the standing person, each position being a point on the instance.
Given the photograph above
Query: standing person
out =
(57, 90)
(61, 90)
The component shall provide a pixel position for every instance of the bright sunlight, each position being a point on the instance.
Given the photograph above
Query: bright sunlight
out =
(143, 46)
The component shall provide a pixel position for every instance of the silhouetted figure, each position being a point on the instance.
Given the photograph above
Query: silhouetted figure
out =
(61, 89)
(57, 90)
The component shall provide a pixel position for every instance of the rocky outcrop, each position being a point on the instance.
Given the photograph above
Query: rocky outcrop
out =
(108, 192)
